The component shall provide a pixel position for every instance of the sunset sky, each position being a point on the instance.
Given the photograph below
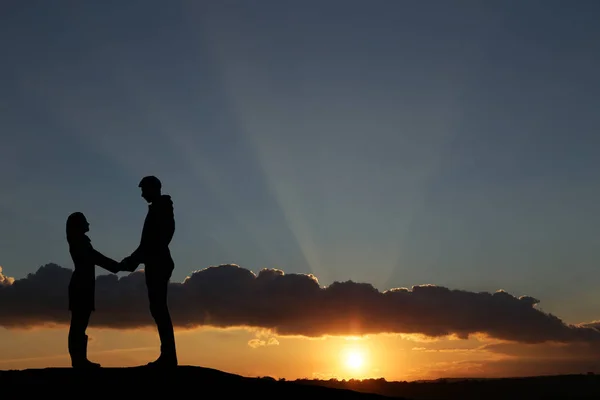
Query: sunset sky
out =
(399, 189)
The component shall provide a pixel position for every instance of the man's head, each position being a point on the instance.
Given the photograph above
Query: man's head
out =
(151, 188)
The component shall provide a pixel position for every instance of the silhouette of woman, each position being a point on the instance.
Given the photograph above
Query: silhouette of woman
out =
(82, 286)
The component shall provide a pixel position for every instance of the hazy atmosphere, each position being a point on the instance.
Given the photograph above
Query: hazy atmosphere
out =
(395, 189)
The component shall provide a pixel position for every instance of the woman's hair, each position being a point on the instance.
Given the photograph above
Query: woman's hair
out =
(75, 225)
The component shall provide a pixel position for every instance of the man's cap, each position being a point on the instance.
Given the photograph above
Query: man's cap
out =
(150, 181)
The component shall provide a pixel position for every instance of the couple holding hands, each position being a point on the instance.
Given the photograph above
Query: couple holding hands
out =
(153, 251)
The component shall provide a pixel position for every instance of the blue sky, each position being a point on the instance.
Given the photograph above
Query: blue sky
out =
(389, 142)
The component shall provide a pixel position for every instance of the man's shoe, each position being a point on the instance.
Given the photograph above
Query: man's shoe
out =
(78, 352)
(85, 364)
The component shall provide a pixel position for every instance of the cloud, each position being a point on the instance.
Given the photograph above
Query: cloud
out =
(264, 337)
(5, 280)
(290, 304)
(506, 359)
(593, 324)
(546, 351)
(255, 343)
(511, 360)
(452, 350)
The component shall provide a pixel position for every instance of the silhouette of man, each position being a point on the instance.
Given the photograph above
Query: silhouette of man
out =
(154, 253)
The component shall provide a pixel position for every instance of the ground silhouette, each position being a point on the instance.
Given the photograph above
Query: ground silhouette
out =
(526, 388)
(211, 383)
(188, 381)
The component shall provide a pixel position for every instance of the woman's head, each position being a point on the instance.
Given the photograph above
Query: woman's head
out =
(77, 224)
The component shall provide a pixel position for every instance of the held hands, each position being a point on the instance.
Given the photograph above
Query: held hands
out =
(127, 264)
(112, 266)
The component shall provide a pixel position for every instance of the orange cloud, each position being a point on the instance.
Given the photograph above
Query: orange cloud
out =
(255, 343)
(291, 304)
(5, 280)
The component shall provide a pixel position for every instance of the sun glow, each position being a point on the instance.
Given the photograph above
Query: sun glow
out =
(354, 360)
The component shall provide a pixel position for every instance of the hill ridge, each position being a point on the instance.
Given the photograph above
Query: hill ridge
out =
(142, 380)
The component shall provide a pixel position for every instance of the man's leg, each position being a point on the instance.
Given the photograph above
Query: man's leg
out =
(157, 284)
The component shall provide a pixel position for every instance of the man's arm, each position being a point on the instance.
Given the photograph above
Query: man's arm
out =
(167, 228)
(131, 262)
(157, 234)
(137, 256)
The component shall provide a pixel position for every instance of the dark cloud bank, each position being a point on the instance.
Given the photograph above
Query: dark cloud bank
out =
(289, 304)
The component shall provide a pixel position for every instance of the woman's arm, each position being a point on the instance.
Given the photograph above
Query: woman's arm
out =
(103, 261)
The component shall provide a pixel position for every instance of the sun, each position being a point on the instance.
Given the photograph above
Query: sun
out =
(354, 360)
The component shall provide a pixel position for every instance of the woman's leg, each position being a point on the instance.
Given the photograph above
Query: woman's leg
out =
(78, 339)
